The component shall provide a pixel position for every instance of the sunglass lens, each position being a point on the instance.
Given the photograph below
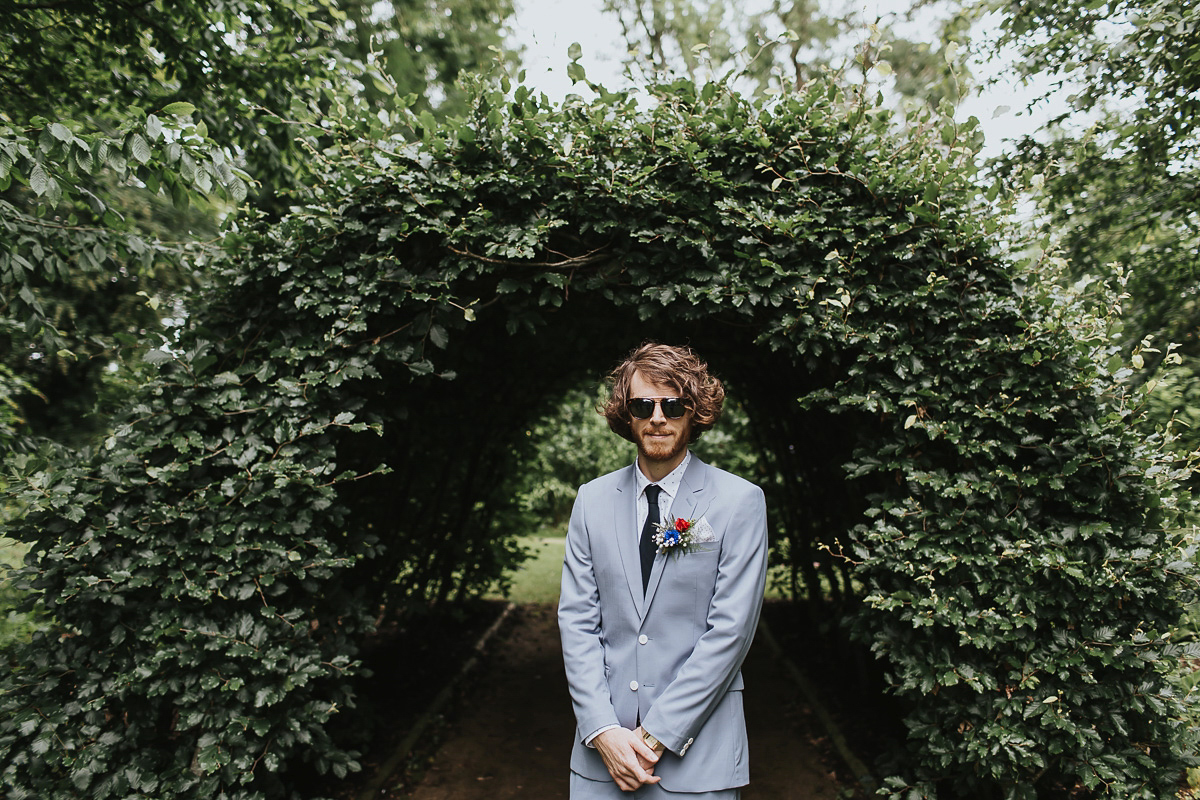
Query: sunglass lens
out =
(641, 408)
(673, 408)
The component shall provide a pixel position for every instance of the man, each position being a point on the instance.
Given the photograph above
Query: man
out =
(654, 631)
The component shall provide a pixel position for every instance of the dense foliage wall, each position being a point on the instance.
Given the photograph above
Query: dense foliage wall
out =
(332, 433)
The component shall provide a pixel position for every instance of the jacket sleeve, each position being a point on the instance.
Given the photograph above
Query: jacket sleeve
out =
(579, 629)
(703, 679)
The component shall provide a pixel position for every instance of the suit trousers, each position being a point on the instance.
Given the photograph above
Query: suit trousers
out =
(585, 789)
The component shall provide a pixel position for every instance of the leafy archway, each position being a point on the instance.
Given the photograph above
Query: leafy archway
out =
(332, 433)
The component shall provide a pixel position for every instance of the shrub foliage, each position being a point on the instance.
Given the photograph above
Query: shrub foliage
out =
(331, 435)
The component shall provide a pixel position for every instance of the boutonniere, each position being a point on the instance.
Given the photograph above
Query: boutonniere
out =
(676, 537)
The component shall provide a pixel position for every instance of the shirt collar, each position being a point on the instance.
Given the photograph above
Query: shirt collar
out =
(669, 484)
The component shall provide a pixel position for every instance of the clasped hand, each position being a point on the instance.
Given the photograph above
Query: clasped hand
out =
(629, 759)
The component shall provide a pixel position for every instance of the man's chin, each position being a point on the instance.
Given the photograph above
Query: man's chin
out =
(660, 453)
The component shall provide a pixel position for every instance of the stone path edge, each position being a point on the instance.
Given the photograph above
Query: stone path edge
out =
(859, 769)
(400, 754)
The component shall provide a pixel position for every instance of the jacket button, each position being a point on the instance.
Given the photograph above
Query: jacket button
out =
(633, 686)
(643, 639)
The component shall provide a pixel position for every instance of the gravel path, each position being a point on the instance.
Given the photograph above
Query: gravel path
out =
(516, 741)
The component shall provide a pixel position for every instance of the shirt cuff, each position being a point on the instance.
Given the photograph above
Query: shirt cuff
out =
(588, 741)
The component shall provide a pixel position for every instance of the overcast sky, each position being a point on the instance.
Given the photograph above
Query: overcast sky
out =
(547, 28)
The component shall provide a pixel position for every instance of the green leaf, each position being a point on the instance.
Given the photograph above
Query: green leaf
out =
(179, 109)
(39, 181)
(156, 356)
(179, 196)
(83, 159)
(153, 127)
(116, 161)
(53, 191)
(202, 363)
(237, 189)
(138, 148)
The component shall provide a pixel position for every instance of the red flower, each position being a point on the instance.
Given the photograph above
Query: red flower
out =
(682, 525)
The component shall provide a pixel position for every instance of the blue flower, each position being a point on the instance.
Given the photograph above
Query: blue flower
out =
(675, 537)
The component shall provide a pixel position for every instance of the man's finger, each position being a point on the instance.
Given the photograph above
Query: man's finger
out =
(637, 777)
(631, 775)
(645, 751)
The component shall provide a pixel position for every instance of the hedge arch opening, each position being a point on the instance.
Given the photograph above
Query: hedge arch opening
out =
(458, 440)
(332, 430)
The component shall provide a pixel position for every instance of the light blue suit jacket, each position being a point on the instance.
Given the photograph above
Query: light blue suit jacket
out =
(673, 658)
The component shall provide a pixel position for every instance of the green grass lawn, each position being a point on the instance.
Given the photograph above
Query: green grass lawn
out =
(13, 625)
(537, 580)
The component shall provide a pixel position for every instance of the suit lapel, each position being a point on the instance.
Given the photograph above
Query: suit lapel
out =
(625, 518)
(691, 495)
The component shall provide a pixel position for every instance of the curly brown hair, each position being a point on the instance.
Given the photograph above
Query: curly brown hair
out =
(677, 367)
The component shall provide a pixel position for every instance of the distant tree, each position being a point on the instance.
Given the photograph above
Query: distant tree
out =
(781, 45)
(128, 131)
(427, 45)
(1119, 168)
(568, 447)
(1120, 165)
(121, 124)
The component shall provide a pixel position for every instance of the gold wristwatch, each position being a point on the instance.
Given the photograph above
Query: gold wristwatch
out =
(654, 744)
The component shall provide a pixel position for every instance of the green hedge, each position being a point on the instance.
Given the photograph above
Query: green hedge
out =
(332, 434)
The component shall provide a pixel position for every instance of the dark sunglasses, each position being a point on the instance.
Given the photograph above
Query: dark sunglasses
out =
(643, 407)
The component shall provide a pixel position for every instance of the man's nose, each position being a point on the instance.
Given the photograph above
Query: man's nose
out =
(658, 415)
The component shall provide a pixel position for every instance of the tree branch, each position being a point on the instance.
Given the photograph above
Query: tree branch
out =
(568, 262)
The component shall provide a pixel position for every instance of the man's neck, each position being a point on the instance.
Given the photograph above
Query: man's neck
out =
(655, 471)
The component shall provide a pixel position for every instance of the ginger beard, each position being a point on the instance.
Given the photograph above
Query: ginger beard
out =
(659, 444)
(659, 440)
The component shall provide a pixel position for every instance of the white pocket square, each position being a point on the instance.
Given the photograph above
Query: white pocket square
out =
(703, 532)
